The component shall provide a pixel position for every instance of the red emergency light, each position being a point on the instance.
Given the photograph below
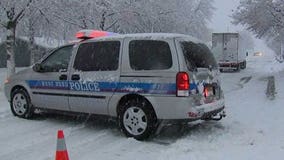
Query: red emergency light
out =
(89, 34)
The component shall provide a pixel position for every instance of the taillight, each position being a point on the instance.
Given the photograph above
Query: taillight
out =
(182, 84)
(206, 92)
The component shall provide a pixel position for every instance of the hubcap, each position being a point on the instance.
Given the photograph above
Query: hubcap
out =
(135, 121)
(19, 104)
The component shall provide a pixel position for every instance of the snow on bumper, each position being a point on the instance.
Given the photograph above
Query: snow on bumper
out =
(209, 109)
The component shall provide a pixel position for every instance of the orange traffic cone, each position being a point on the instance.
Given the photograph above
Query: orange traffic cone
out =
(61, 150)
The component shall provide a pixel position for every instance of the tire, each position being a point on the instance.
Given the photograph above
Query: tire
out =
(238, 68)
(137, 119)
(21, 104)
(242, 65)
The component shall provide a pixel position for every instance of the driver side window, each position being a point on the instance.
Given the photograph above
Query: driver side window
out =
(58, 60)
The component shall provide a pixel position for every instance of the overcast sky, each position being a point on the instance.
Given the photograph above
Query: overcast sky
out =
(221, 21)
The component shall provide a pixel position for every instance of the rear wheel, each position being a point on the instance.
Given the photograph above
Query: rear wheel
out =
(242, 65)
(137, 119)
(245, 64)
(21, 104)
(238, 67)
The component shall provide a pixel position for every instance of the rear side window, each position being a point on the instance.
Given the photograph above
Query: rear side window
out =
(98, 56)
(198, 55)
(149, 55)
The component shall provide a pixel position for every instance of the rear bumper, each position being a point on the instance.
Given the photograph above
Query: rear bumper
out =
(208, 110)
(184, 108)
(212, 113)
(205, 116)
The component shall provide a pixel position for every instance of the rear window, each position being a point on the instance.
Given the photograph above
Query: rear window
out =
(149, 55)
(198, 55)
(98, 56)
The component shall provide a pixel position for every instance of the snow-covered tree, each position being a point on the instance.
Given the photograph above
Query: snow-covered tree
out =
(12, 12)
(38, 22)
(29, 28)
(246, 40)
(265, 18)
(136, 16)
(61, 19)
(182, 16)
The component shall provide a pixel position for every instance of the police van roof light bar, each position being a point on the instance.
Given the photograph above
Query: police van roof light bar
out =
(89, 34)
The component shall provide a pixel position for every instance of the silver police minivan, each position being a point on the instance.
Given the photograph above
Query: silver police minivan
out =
(142, 80)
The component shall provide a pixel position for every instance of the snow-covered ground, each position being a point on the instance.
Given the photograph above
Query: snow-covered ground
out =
(253, 128)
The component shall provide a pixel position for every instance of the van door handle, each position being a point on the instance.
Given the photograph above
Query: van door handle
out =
(63, 77)
(75, 77)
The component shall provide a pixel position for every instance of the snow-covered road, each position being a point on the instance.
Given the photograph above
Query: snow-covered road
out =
(253, 128)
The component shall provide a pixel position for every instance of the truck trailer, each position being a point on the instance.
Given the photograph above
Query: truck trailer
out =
(228, 51)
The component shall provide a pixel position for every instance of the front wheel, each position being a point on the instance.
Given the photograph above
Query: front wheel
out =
(20, 104)
(137, 119)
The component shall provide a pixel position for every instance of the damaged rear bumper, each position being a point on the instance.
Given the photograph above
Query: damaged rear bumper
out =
(212, 111)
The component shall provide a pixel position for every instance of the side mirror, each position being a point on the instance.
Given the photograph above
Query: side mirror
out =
(37, 67)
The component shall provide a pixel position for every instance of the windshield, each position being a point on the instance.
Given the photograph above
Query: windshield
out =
(197, 55)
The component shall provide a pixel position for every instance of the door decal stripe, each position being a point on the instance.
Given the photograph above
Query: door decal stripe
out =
(70, 95)
(124, 87)
(140, 76)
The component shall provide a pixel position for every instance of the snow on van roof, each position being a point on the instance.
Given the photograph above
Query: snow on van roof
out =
(152, 36)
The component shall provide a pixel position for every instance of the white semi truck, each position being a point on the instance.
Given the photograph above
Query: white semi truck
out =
(228, 51)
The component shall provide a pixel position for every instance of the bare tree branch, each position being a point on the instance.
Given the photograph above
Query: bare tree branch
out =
(68, 21)
(21, 13)
(3, 25)
(111, 25)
